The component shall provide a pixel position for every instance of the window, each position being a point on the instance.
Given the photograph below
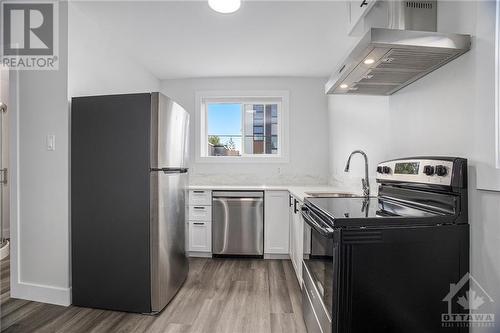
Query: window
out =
(242, 126)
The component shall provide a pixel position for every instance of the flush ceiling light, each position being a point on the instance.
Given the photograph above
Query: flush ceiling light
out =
(369, 61)
(225, 6)
(344, 86)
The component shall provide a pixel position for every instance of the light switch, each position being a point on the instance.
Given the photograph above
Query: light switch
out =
(51, 142)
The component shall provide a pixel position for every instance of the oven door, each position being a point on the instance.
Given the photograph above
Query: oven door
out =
(317, 273)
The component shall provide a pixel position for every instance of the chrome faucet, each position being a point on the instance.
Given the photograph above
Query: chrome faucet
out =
(364, 182)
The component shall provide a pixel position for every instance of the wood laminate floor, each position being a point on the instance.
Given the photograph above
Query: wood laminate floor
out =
(220, 295)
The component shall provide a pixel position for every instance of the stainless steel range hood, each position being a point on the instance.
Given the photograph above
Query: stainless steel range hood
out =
(386, 60)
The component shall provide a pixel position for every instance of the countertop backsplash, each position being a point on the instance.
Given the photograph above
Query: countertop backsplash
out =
(353, 184)
(251, 179)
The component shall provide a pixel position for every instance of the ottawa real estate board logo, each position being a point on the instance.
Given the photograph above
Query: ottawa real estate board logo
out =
(469, 305)
(29, 38)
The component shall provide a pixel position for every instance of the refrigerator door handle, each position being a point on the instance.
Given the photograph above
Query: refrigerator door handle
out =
(171, 170)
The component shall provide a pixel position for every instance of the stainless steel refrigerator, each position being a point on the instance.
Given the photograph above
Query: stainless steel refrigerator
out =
(128, 186)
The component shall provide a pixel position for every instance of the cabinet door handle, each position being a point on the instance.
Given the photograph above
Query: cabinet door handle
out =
(290, 200)
(295, 210)
(198, 223)
(199, 208)
(200, 192)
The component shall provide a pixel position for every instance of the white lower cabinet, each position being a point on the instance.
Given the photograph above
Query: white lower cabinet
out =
(276, 223)
(200, 213)
(283, 226)
(200, 236)
(200, 198)
(199, 225)
(300, 246)
(186, 229)
(296, 238)
(291, 237)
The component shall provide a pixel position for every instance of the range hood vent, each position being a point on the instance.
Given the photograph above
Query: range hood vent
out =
(386, 60)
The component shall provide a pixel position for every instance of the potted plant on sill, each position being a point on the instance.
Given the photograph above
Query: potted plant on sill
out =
(218, 148)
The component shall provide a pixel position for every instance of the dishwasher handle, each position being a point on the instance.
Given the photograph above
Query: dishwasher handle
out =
(226, 199)
(237, 194)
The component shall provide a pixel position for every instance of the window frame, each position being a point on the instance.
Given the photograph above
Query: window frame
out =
(281, 97)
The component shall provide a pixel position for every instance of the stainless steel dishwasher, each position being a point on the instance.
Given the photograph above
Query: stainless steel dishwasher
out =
(238, 223)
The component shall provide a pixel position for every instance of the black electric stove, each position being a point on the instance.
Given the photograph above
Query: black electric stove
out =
(384, 264)
(373, 212)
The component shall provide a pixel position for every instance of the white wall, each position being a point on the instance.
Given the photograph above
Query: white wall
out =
(357, 122)
(449, 112)
(96, 65)
(308, 163)
(39, 218)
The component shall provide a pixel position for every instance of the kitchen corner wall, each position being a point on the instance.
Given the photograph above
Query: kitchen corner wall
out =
(39, 180)
(449, 112)
(308, 130)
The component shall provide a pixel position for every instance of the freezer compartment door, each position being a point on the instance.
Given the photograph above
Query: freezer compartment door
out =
(238, 226)
(110, 202)
(169, 265)
(169, 133)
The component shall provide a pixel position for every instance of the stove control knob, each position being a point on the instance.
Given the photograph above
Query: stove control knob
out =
(428, 170)
(386, 169)
(380, 169)
(441, 170)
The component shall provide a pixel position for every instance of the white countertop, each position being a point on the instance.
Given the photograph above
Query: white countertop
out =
(298, 191)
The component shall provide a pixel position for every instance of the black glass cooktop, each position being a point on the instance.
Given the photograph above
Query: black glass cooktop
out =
(361, 211)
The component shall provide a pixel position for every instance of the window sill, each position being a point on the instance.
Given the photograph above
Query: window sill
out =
(242, 159)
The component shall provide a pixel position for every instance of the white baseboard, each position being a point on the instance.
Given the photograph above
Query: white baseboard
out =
(266, 255)
(276, 256)
(200, 254)
(41, 293)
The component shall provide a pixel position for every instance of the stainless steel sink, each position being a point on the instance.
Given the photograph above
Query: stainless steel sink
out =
(332, 194)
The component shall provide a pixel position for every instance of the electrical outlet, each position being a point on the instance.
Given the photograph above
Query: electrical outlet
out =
(51, 142)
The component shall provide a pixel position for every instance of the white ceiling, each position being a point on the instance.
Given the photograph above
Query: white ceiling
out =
(182, 39)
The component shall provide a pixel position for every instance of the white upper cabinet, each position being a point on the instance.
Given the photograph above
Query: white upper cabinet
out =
(356, 11)
(276, 222)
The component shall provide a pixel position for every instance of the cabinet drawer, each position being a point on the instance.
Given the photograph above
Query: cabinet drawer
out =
(200, 197)
(200, 236)
(200, 213)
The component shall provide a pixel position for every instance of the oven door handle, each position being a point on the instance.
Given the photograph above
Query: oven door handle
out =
(321, 227)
